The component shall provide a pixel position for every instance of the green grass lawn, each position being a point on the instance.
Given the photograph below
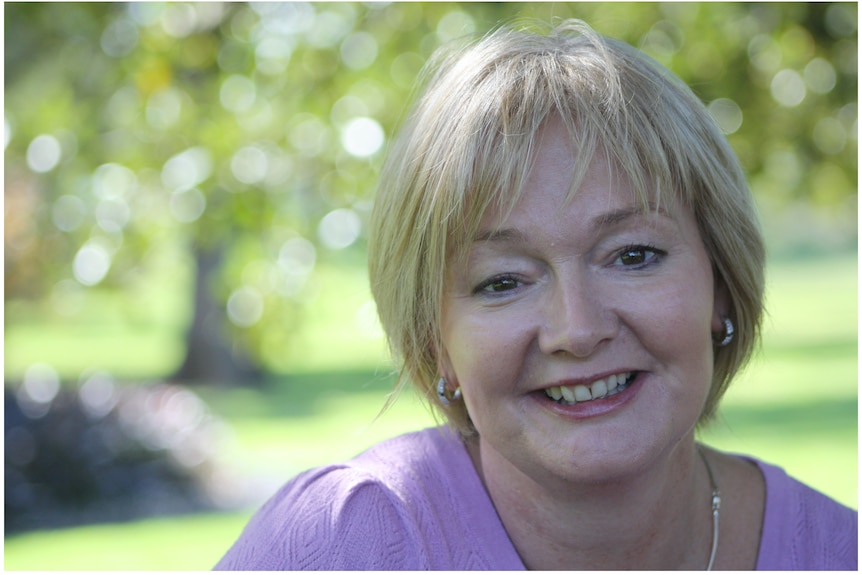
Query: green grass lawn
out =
(795, 405)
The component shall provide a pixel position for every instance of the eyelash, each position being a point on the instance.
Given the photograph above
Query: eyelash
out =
(657, 255)
(482, 288)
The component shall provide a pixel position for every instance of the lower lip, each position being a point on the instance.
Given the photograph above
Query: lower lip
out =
(595, 407)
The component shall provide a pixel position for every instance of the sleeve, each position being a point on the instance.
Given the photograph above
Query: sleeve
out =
(331, 519)
(826, 533)
(804, 529)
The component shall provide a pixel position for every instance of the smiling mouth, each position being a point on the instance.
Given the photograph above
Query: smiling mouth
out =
(599, 389)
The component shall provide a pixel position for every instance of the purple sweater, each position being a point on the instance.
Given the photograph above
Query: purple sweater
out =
(415, 502)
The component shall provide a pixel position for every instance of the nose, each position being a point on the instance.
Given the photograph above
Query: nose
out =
(578, 318)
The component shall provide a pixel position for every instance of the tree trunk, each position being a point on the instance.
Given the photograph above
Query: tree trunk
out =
(211, 355)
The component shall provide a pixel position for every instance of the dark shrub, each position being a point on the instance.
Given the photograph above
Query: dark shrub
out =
(107, 453)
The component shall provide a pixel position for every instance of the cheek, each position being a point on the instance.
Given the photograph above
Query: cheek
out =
(684, 342)
(690, 296)
(677, 319)
(483, 350)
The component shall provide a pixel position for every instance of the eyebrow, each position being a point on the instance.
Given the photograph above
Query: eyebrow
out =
(610, 218)
(501, 235)
(617, 216)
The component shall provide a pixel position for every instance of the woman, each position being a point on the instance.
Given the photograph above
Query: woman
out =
(566, 260)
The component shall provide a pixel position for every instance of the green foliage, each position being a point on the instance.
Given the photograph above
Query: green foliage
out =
(133, 127)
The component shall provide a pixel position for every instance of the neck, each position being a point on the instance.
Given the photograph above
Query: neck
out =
(658, 518)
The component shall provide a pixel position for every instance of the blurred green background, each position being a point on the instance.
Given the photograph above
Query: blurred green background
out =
(186, 193)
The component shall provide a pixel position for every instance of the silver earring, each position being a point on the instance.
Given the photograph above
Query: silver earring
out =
(728, 332)
(441, 393)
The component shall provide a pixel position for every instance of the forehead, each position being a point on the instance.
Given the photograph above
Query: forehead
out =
(560, 175)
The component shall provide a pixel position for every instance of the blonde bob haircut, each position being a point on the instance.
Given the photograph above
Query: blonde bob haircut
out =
(468, 144)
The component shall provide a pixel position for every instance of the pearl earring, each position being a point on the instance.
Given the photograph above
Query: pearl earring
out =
(441, 393)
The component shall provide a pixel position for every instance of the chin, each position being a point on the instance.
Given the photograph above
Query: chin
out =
(608, 457)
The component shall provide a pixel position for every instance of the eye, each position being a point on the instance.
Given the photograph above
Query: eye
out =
(634, 256)
(498, 284)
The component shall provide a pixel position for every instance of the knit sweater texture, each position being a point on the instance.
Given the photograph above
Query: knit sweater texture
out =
(416, 502)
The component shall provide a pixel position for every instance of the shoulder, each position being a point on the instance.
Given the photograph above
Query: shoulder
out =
(804, 529)
(378, 511)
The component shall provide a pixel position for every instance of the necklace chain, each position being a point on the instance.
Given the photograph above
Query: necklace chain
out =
(716, 507)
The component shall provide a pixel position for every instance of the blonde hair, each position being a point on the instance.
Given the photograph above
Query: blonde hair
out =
(469, 142)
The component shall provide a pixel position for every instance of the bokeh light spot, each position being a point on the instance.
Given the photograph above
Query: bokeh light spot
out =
(339, 228)
(41, 382)
(179, 19)
(359, 50)
(145, 13)
(362, 137)
(847, 115)
(273, 54)
(187, 169)
(97, 394)
(38, 389)
(43, 153)
(829, 136)
(114, 181)
(188, 205)
(91, 263)
(119, 38)
(238, 93)
(841, 19)
(113, 214)
(328, 29)
(663, 40)
(249, 165)
(727, 115)
(245, 306)
(819, 76)
(788, 88)
(764, 53)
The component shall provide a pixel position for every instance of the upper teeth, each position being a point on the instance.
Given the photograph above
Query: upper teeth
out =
(597, 389)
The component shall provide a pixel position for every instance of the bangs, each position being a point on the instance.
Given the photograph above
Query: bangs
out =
(505, 104)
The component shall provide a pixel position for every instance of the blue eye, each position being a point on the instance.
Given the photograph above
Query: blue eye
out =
(634, 256)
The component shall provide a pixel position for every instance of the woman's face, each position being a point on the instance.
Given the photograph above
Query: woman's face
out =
(580, 332)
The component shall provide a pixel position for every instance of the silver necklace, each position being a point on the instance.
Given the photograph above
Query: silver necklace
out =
(716, 506)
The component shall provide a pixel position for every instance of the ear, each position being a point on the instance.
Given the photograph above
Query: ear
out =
(445, 369)
(721, 304)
